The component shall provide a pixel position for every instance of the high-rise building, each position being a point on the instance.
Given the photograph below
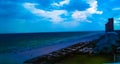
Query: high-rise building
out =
(110, 25)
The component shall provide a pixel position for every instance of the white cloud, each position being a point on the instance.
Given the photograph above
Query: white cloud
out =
(79, 15)
(93, 8)
(82, 15)
(64, 2)
(54, 15)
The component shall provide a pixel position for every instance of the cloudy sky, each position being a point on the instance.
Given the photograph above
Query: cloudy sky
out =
(22, 16)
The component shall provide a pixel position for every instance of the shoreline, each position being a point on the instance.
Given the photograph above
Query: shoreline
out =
(67, 51)
(64, 52)
(79, 48)
(29, 54)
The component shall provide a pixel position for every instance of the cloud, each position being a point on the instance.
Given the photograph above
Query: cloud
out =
(54, 15)
(93, 7)
(82, 15)
(79, 15)
(61, 3)
(70, 5)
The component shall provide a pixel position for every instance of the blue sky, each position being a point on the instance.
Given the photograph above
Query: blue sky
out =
(23, 16)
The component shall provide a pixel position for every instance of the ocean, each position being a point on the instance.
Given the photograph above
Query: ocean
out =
(23, 41)
(12, 44)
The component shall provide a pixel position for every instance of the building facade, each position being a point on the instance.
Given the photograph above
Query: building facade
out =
(109, 27)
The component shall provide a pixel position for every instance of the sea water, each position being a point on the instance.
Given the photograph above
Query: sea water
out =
(15, 43)
(18, 42)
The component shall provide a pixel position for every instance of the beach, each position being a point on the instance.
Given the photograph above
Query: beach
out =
(82, 50)
(20, 57)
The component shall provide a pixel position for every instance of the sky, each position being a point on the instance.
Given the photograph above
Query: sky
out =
(24, 16)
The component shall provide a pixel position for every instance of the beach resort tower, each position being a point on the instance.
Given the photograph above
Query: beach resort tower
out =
(109, 26)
